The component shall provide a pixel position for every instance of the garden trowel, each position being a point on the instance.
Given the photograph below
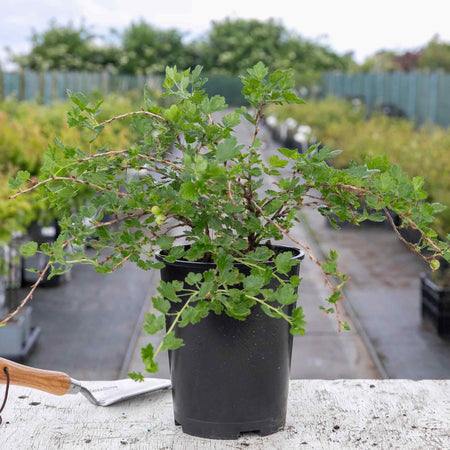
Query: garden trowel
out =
(103, 393)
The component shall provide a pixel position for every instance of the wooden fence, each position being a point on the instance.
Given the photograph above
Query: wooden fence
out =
(421, 97)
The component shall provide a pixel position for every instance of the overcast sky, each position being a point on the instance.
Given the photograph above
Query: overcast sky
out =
(346, 25)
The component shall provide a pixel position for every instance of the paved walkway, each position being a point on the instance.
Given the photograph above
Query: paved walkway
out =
(384, 295)
(87, 323)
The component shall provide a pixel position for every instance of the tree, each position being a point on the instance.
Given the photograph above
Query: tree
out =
(149, 50)
(407, 62)
(381, 61)
(67, 47)
(436, 55)
(233, 45)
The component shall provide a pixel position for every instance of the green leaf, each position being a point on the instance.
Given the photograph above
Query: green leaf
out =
(285, 294)
(175, 254)
(262, 253)
(206, 288)
(170, 342)
(298, 322)
(188, 191)
(334, 297)
(147, 354)
(193, 278)
(21, 177)
(153, 324)
(201, 164)
(346, 326)
(231, 120)
(270, 312)
(224, 260)
(259, 71)
(295, 280)
(284, 262)
(161, 304)
(213, 104)
(228, 149)
(167, 290)
(239, 307)
(325, 153)
(276, 161)
(164, 242)
(172, 114)
(78, 99)
(253, 283)
(272, 207)
(29, 249)
(293, 154)
(291, 97)
(136, 376)
(192, 315)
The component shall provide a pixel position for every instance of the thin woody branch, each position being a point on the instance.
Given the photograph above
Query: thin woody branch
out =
(230, 195)
(121, 152)
(395, 228)
(361, 191)
(123, 116)
(64, 245)
(73, 179)
(310, 255)
(28, 297)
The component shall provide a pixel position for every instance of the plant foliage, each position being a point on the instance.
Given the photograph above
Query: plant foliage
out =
(188, 180)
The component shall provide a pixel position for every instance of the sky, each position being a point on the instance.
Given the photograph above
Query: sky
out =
(358, 26)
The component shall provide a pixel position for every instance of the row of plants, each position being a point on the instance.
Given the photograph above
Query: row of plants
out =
(419, 151)
(27, 129)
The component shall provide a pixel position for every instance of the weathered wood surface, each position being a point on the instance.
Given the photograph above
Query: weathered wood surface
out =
(388, 414)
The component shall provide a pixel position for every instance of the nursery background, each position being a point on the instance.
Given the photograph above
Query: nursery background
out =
(367, 92)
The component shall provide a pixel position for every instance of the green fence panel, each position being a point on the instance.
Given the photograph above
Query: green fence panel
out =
(443, 100)
(45, 87)
(61, 85)
(11, 85)
(48, 87)
(32, 83)
(228, 86)
(421, 97)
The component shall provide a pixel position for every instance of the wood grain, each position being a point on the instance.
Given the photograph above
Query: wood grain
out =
(57, 383)
(322, 414)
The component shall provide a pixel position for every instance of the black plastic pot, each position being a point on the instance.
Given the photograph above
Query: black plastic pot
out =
(231, 376)
(436, 305)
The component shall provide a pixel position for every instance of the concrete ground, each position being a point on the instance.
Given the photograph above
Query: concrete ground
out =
(87, 323)
(384, 295)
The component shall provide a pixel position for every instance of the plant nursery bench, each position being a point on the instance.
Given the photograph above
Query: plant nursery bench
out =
(401, 414)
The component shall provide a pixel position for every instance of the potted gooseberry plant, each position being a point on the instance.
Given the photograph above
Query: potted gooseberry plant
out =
(209, 212)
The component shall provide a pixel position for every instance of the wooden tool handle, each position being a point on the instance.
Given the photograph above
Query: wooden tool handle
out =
(57, 383)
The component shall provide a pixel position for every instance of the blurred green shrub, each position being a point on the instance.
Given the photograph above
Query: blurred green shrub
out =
(423, 151)
(26, 130)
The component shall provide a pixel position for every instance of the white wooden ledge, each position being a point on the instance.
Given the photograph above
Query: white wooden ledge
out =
(345, 414)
